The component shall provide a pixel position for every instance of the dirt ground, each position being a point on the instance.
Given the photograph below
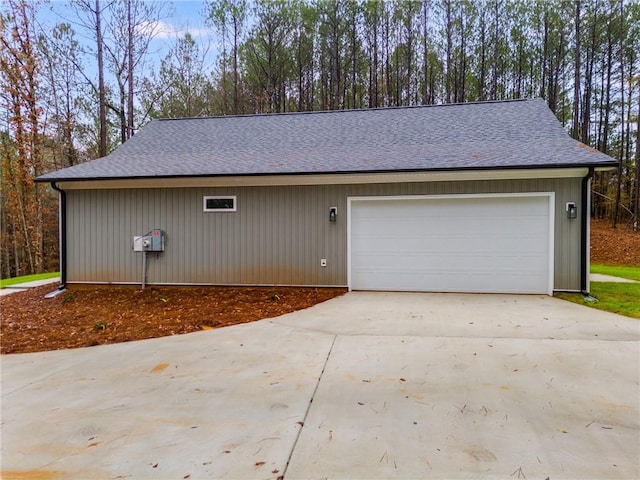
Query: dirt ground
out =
(85, 315)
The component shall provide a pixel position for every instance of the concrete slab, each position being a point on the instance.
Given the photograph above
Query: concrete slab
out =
(463, 315)
(368, 385)
(410, 407)
(599, 277)
(222, 403)
(27, 285)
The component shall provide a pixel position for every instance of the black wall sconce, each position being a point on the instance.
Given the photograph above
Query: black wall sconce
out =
(333, 214)
(572, 210)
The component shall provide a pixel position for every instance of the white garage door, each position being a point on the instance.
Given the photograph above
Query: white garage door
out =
(475, 243)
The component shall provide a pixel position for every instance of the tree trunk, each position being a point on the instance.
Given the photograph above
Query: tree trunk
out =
(636, 204)
(588, 83)
(449, 33)
(496, 51)
(483, 59)
(374, 80)
(235, 64)
(102, 102)
(463, 67)
(387, 72)
(616, 206)
(130, 66)
(425, 54)
(409, 58)
(575, 128)
(354, 58)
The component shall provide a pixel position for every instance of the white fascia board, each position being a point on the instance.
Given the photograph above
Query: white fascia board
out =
(325, 179)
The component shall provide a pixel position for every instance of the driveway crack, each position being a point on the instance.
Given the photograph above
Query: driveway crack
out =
(306, 413)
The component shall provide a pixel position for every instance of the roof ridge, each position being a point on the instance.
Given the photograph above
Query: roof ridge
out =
(350, 110)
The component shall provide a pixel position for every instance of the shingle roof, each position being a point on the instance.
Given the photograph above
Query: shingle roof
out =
(486, 135)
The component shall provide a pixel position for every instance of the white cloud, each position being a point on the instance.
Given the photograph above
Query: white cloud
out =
(162, 30)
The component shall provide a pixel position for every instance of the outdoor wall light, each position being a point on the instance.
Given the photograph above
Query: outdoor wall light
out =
(572, 210)
(333, 214)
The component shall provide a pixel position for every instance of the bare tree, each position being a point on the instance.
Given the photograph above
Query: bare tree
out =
(230, 15)
(90, 17)
(62, 87)
(22, 141)
(131, 27)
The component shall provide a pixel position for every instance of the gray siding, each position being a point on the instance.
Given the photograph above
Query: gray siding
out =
(277, 236)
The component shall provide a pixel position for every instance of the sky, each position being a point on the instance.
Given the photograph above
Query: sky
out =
(179, 17)
(183, 16)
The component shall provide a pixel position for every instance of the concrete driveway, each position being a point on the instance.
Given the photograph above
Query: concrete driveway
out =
(368, 385)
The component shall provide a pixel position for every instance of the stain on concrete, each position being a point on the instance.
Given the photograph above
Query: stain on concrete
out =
(31, 475)
(160, 367)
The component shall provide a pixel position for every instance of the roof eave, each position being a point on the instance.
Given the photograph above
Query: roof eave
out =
(406, 176)
(598, 166)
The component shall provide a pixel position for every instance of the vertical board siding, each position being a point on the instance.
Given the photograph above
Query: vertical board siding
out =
(277, 236)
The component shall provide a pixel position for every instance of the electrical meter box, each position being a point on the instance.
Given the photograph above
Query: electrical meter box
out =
(151, 242)
(156, 241)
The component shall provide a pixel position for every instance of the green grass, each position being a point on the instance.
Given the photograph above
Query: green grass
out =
(6, 282)
(621, 298)
(632, 273)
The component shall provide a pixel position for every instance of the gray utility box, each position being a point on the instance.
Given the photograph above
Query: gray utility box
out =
(151, 242)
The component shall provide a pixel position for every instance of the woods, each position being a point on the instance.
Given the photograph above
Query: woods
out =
(74, 90)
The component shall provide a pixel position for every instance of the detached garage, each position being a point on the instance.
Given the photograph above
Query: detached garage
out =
(480, 197)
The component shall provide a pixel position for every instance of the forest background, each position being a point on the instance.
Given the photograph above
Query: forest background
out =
(74, 91)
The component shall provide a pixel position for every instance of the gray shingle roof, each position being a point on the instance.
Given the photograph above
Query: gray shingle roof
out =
(508, 134)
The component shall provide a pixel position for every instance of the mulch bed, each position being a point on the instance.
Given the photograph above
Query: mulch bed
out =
(95, 315)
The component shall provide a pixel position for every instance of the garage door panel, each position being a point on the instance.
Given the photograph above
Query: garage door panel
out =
(499, 245)
(471, 208)
(490, 263)
(482, 244)
(455, 282)
(463, 226)
(485, 244)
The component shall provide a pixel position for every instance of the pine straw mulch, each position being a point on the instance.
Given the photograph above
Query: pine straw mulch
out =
(87, 315)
